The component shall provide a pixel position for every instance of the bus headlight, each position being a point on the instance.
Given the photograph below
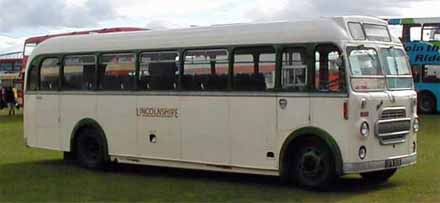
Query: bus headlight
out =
(365, 129)
(416, 125)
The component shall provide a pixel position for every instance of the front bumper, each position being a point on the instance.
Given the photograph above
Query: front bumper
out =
(389, 163)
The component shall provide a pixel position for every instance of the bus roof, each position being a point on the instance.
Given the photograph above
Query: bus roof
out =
(39, 39)
(321, 30)
(413, 21)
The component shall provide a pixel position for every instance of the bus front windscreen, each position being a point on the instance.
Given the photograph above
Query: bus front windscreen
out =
(365, 70)
(396, 68)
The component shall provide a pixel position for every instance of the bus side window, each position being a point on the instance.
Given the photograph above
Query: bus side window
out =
(254, 69)
(79, 72)
(206, 70)
(329, 75)
(158, 71)
(118, 71)
(49, 74)
(33, 83)
(294, 70)
(415, 33)
(431, 74)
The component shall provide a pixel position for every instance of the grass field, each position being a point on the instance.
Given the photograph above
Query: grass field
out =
(41, 176)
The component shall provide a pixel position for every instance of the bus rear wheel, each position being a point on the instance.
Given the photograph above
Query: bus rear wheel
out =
(378, 176)
(313, 166)
(426, 103)
(90, 149)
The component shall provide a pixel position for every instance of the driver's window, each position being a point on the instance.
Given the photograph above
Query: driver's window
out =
(329, 70)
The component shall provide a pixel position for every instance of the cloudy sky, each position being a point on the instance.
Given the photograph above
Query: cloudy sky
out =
(20, 19)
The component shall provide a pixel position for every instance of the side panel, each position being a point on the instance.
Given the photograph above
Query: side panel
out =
(253, 131)
(47, 121)
(205, 130)
(74, 108)
(117, 117)
(158, 127)
(293, 116)
(327, 114)
(30, 127)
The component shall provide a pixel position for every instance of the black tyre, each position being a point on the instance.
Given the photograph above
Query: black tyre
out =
(378, 176)
(427, 103)
(90, 149)
(313, 165)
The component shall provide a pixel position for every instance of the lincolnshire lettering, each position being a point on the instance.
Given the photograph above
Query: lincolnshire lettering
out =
(153, 112)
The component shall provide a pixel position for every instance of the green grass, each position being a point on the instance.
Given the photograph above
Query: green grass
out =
(41, 176)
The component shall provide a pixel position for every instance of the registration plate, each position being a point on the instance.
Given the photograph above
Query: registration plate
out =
(393, 163)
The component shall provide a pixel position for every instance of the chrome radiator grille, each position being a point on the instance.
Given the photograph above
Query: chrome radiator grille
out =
(393, 126)
(389, 114)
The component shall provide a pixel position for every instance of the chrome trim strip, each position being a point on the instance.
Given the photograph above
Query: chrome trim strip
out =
(393, 120)
(394, 133)
(378, 165)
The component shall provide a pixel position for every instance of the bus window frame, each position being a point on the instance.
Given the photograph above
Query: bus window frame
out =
(372, 24)
(99, 63)
(182, 58)
(344, 77)
(362, 27)
(178, 64)
(78, 55)
(275, 49)
(307, 62)
(423, 31)
(40, 64)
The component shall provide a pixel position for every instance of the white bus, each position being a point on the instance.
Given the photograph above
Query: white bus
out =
(307, 101)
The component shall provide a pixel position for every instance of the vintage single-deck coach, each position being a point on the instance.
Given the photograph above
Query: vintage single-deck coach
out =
(307, 101)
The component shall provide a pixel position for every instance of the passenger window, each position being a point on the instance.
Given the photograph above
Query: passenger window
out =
(416, 33)
(117, 72)
(79, 72)
(431, 74)
(294, 70)
(33, 78)
(254, 69)
(329, 73)
(206, 70)
(158, 71)
(49, 74)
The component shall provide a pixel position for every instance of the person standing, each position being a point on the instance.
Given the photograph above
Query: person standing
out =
(2, 98)
(10, 100)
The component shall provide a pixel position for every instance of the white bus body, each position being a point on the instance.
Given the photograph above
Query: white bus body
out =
(228, 130)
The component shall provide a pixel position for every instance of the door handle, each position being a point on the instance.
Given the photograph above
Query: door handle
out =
(39, 98)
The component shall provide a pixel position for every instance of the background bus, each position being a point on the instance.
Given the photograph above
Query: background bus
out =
(10, 67)
(421, 37)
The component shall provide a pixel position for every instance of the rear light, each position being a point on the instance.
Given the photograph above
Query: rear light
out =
(345, 110)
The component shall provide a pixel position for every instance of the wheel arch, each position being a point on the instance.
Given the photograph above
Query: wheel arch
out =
(87, 123)
(311, 131)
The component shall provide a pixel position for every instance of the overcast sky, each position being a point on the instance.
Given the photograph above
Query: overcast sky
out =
(20, 19)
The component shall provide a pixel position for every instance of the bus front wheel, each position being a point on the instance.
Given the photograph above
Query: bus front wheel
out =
(426, 103)
(313, 166)
(378, 176)
(90, 149)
